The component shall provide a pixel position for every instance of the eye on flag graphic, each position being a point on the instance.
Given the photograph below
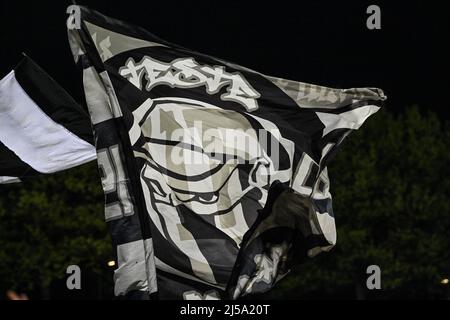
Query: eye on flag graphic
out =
(42, 129)
(215, 175)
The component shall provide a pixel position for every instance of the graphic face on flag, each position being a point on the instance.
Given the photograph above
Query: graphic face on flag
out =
(206, 173)
(215, 175)
(205, 160)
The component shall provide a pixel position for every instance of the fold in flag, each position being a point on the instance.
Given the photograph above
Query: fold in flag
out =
(214, 175)
(42, 129)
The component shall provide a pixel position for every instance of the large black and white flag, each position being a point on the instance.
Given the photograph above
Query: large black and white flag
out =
(42, 129)
(214, 175)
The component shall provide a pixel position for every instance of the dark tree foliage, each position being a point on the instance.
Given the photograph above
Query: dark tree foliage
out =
(390, 184)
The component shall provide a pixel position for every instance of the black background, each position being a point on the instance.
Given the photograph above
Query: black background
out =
(321, 42)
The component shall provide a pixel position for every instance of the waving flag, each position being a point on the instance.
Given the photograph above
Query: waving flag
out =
(214, 175)
(42, 129)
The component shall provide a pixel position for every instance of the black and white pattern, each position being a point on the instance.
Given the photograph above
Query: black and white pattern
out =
(195, 213)
(42, 129)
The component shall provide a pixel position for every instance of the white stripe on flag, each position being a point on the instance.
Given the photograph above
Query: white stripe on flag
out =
(33, 136)
(6, 180)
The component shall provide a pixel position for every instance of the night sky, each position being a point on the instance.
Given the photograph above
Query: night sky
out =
(321, 42)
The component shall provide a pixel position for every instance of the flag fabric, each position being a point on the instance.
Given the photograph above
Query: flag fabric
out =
(42, 129)
(215, 175)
